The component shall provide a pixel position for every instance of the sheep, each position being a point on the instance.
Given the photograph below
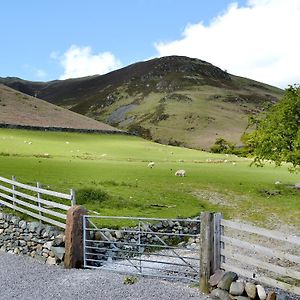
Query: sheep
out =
(151, 164)
(180, 173)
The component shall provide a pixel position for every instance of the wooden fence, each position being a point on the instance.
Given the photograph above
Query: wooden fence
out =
(254, 252)
(29, 200)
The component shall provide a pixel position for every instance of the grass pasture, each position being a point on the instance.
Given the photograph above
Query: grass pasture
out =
(117, 165)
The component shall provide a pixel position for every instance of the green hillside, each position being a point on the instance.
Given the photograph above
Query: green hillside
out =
(118, 165)
(172, 100)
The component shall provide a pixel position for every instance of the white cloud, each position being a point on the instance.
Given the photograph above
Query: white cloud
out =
(41, 74)
(259, 41)
(80, 61)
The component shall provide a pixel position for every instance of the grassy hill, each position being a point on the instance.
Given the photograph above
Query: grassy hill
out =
(173, 100)
(20, 109)
(117, 165)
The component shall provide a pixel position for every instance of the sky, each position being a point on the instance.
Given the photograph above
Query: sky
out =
(44, 40)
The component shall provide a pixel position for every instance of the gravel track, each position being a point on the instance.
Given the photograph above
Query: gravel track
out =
(25, 278)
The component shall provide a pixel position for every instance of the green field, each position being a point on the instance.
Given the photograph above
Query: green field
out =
(117, 165)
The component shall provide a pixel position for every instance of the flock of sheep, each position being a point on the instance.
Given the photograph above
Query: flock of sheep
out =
(180, 173)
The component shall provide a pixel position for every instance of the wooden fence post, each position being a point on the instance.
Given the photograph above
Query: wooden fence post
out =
(74, 237)
(13, 178)
(210, 243)
(38, 185)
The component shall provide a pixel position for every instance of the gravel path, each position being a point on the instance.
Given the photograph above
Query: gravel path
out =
(24, 278)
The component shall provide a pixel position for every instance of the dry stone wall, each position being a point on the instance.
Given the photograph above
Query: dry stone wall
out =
(40, 241)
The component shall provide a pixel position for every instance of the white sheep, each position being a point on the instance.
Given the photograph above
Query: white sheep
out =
(151, 164)
(180, 173)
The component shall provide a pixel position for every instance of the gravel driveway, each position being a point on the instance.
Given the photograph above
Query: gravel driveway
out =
(24, 278)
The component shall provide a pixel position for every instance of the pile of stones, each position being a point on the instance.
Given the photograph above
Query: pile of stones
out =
(227, 286)
(43, 242)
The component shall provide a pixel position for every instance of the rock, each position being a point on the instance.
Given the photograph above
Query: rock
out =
(23, 224)
(32, 254)
(250, 289)
(58, 240)
(118, 234)
(59, 252)
(237, 288)
(226, 280)
(261, 292)
(51, 260)
(242, 298)
(221, 294)
(216, 277)
(48, 245)
(271, 296)
(282, 296)
(32, 226)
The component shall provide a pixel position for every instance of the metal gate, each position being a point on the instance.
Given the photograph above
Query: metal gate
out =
(167, 248)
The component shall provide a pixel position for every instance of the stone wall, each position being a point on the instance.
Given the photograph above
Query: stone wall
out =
(40, 241)
(109, 244)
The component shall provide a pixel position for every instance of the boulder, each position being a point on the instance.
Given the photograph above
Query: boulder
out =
(250, 289)
(59, 252)
(237, 288)
(216, 277)
(221, 294)
(226, 280)
(261, 292)
(51, 260)
(271, 296)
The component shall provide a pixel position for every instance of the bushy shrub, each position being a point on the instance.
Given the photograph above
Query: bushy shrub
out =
(88, 195)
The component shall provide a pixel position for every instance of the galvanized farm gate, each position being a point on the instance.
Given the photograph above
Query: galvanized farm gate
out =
(167, 248)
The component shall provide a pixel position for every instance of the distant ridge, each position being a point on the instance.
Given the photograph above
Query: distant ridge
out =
(18, 110)
(174, 100)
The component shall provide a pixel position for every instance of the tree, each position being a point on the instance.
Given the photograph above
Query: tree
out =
(277, 136)
(222, 146)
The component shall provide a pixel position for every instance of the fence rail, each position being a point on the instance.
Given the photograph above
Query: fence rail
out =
(35, 206)
(248, 258)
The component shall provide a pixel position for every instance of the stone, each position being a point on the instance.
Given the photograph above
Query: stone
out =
(118, 234)
(32, 254)
(261, 292)
(221, 294)
(48, 245)
(282, 296)
(297, 185)
(59, 240)
(242, 298)
(226, 280)
(271, 296)
(32, 226)
(22, 224)
(216, 277)
(237, 288)
(74, 237)
(59, 252)
(250, 289)
(51, 260)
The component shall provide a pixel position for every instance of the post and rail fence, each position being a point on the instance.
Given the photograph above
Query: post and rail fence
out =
(30, 200)
(266, 256)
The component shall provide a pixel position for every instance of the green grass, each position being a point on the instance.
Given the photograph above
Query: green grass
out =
(117, 166)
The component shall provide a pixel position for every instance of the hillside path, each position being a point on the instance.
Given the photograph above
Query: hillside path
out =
(25, 278)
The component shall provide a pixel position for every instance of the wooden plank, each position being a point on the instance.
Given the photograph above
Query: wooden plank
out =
(217, 241)
(263, 279)
(206, 250)
(35, 207)
(34, 215)
(261, 264)
(35, 199)
(39, 199)
(35, 189)
(260, 249)
(13, 187)
(261, 231)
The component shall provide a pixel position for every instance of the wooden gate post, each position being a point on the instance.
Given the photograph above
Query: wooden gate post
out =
(209, 247)
(74, 237)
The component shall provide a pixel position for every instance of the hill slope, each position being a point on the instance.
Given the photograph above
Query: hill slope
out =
(23, 110)
(173, 100)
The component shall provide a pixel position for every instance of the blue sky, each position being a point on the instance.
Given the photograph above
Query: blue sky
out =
(50, 39)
